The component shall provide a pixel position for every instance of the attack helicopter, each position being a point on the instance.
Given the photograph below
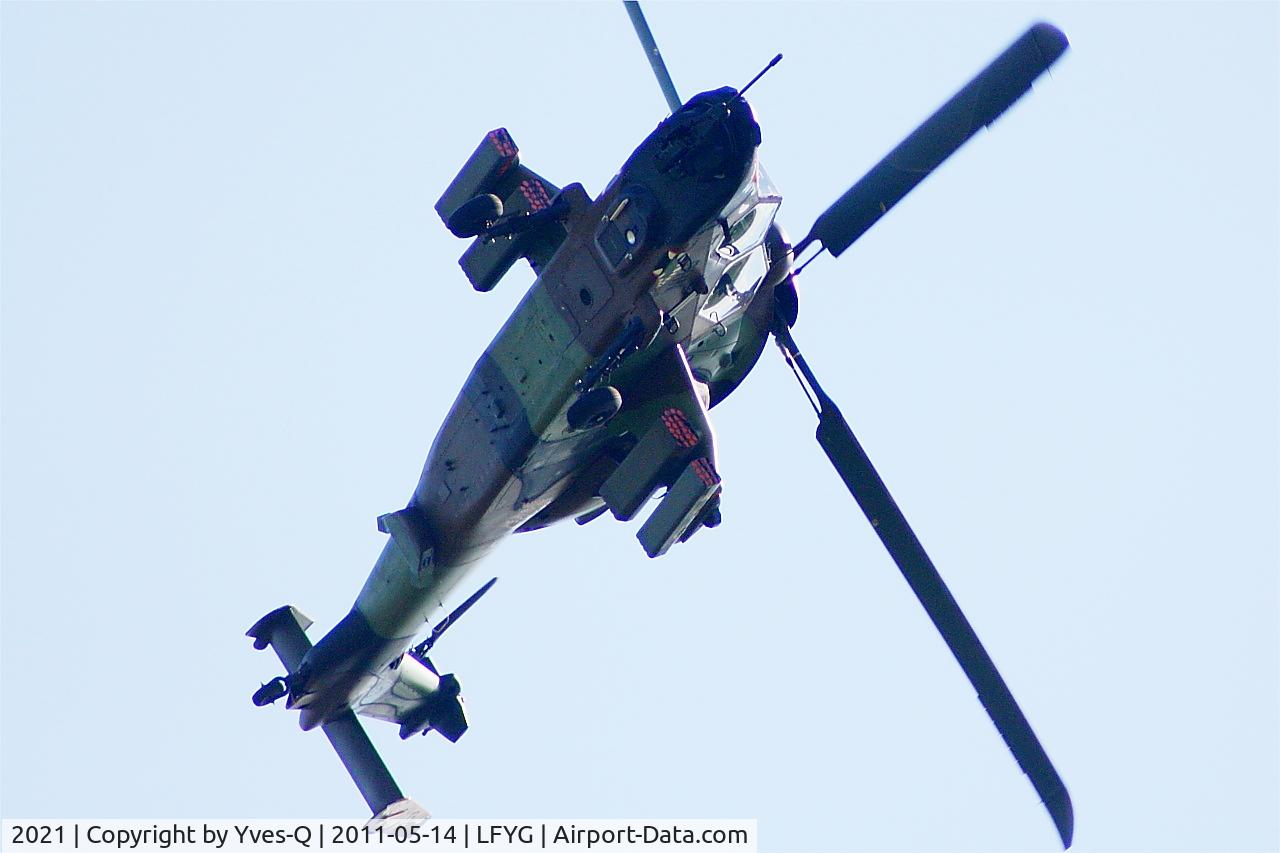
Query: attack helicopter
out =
(651, 304)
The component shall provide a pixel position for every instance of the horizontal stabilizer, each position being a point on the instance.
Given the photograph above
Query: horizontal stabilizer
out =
(362, 761)
(284, 629)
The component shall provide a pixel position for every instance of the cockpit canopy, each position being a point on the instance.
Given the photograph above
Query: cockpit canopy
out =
(736, 261)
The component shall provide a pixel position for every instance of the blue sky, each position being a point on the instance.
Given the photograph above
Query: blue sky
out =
(232, 323)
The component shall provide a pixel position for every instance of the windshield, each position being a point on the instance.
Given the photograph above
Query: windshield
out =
(735, 262)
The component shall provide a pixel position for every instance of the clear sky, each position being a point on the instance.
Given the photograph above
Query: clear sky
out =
(232, 323)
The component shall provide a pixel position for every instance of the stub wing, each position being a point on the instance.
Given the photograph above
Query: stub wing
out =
(667, 409)
(494, 168)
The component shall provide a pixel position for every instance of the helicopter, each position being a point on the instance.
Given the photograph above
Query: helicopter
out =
(651, 304)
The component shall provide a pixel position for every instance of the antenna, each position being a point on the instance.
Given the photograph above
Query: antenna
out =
(772, 63)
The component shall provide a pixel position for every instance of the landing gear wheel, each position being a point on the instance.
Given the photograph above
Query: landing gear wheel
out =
(594, 407)
(475, 215)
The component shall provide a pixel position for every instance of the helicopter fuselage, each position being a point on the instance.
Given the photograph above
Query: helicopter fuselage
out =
(667, 268)
(651, 304)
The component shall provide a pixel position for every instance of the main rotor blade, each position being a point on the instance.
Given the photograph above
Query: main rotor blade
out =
(860, 477)
(978, 104)
(655, 56)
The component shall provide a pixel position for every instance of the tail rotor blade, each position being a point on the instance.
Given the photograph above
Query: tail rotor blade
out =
(860, 477)
(978, 104)
(427, 644)
(655, 56)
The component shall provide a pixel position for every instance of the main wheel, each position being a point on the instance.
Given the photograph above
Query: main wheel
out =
(594, 407)
(474, 216)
